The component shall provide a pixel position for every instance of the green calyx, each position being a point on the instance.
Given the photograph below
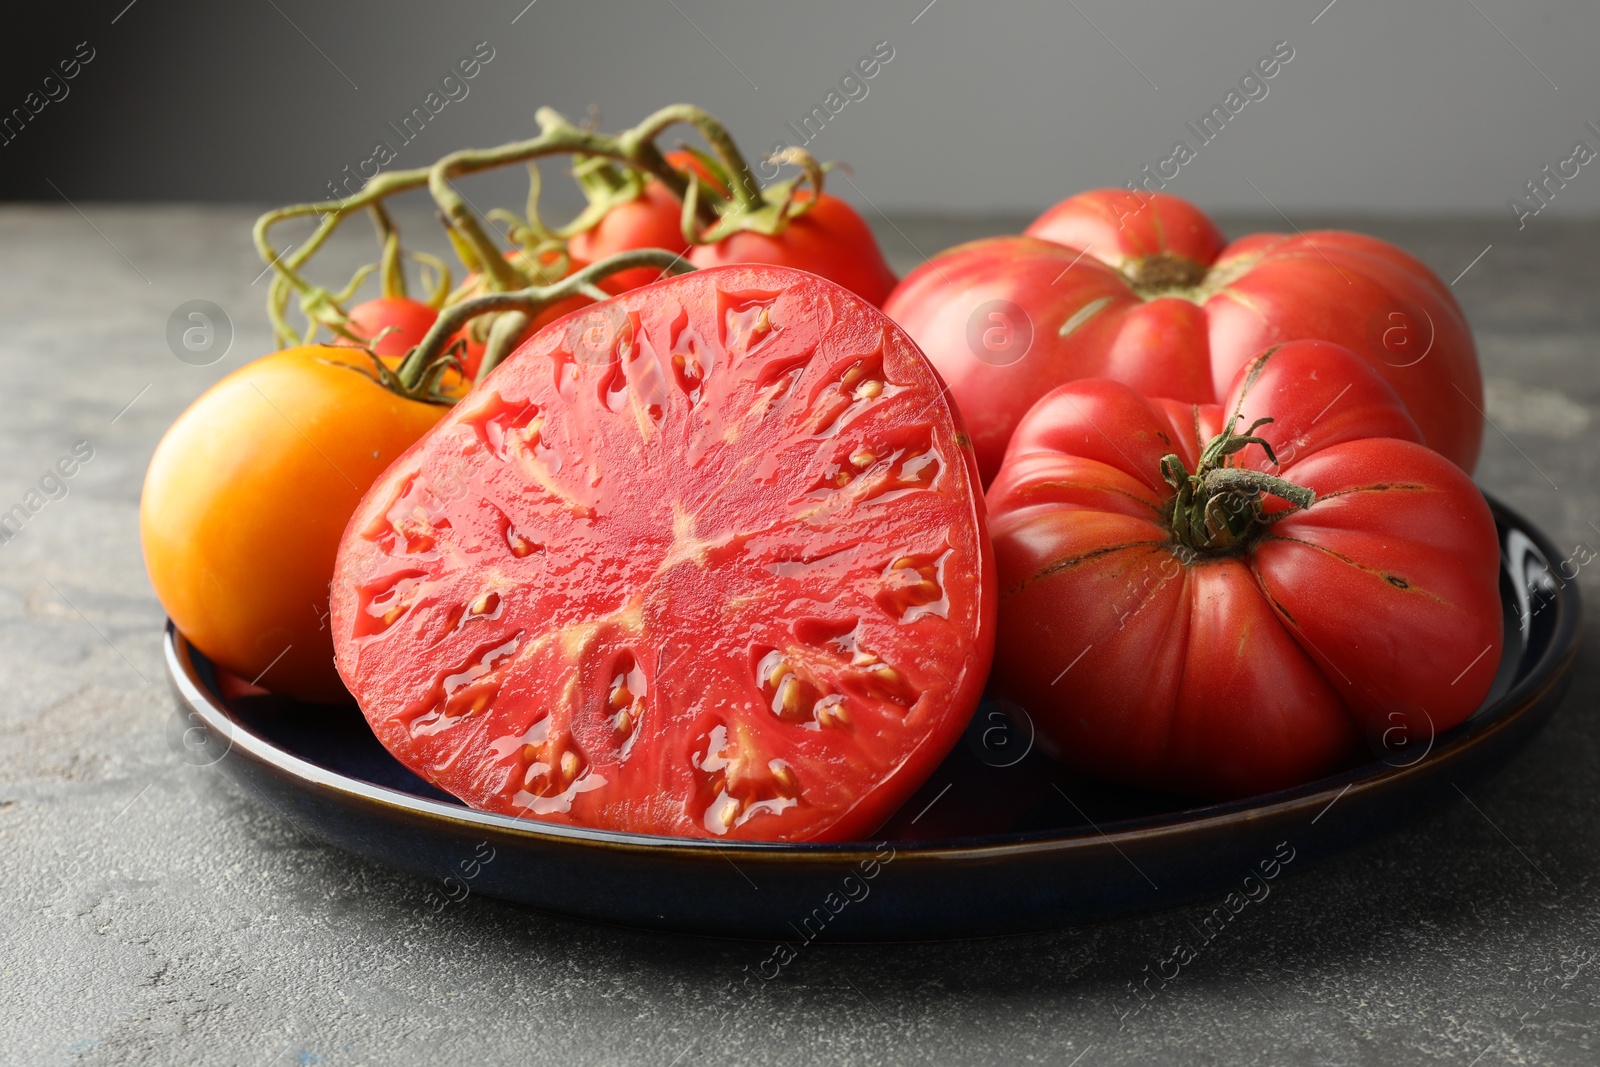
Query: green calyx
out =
(426, 386)
(1163, 274)
(1218, 509)
(767, 211)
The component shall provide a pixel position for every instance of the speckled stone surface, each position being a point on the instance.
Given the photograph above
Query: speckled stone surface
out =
(152, 913)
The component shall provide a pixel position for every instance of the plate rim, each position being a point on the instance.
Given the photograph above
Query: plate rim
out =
(1522, 699)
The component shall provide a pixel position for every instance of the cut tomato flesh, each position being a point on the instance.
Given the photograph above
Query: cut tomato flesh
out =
(707, 560)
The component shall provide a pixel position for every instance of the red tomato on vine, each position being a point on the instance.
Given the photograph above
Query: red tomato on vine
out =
(831, 240)
(653, 219)
(406, 320)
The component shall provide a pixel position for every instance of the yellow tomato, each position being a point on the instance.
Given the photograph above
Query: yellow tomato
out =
(247, 496)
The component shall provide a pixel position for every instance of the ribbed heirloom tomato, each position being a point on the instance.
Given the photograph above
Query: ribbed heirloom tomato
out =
(706, 560)
(1177, 610)
(1145, 291)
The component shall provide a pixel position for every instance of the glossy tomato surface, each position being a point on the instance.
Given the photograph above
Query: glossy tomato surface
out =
(1151, 232)
(653, 220)
(707, 559)
(245, 501)
(831, 241)
(406, 320)
(1371, 615)
(1145, 292)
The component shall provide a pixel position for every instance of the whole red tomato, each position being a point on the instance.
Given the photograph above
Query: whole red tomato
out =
(1143, 291)
(653, 219)
(831, 240)
(407, 321)
(720, 572)
(1178, 610)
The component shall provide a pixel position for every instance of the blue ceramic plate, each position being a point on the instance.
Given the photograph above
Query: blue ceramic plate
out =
(1000, 840)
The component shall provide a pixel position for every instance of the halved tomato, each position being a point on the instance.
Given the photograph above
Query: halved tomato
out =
(707, 559)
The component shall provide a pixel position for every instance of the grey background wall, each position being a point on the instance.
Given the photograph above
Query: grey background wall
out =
(1430, 106)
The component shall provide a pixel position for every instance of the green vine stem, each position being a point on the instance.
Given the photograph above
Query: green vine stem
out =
(811, 172)
(1218, 507)
(635, 148)
(604, 185)
(527, 302)
(326, 308)
(505, 330)
(538, 231)
(544, 263)
(741, 183)
(777, 206)
(435, 277)
(518, 230)
(287, 265)
(391, 268)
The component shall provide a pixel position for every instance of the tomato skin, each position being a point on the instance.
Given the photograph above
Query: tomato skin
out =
(410, 319)
(246, 498)
(1356, 291)
(831, 241)
(1122, 229)
(651, 221)
(1373, 613)
(752, 525)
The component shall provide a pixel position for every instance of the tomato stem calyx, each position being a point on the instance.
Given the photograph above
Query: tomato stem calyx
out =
(1164, 272)
(1218, 508)
(772, 209)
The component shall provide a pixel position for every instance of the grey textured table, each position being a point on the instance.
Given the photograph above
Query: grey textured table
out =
(152, 913)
